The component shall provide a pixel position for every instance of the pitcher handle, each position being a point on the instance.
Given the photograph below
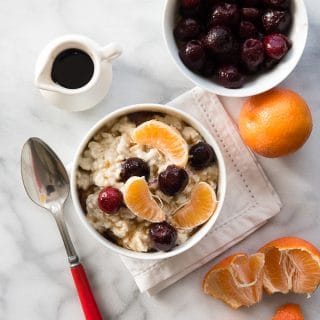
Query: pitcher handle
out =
(111, 51)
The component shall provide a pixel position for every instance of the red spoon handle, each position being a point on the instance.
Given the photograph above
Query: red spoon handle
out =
(88, 302)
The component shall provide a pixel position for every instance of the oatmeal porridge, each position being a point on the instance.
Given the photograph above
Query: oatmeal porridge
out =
(147, 182)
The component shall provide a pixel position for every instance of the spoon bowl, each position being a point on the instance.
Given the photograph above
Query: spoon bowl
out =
(44, 176)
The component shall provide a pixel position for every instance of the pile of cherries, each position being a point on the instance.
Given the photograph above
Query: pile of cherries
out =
(171, 181)
(229, 40)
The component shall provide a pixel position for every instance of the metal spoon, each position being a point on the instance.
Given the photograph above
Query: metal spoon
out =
(47, 184)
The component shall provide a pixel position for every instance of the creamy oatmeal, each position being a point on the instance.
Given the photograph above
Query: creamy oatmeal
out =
(102, 165)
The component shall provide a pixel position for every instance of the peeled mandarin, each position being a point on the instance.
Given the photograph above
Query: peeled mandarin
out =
(198, 209)
(165, 138)
(292, 264)
(139, 200)
(236, 280)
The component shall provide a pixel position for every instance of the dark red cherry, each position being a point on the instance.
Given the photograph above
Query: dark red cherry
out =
(225, 14)
(173, 180)
(201, 155)
(219, 40)
(163, 236)
(230, 76)
(276, 46)
(134, 167)
(110, 200)
(276, 21)
(187, 29)
(252, 53)
(193, 55)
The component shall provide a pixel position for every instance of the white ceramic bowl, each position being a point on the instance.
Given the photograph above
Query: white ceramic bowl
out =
(257, 84)
(220, 192)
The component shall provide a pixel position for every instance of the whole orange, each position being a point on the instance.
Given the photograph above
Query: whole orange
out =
(275, 123)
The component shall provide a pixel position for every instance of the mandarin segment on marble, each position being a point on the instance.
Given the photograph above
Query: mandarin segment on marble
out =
(292, 264)
(289, 311)
(236, 280)
(287, 264)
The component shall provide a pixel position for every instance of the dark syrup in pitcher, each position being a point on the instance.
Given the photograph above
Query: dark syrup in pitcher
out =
(72, 69)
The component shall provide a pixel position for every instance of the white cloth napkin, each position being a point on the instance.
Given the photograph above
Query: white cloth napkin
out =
(250, 198)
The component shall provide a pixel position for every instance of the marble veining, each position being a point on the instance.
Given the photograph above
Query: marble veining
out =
(35, 282)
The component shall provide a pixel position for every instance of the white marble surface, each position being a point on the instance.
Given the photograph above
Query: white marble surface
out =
(34, 278)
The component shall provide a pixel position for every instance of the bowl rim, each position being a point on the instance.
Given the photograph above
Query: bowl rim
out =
(240, 92)
(222, 181)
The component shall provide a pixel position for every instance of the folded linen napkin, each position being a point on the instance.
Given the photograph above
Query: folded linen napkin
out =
(250, 199)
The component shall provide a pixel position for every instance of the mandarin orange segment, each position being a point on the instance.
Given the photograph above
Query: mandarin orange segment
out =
(165, 138)
(237, 280)
(292, 264)
(198, 209)
(139, 200)
(288, 311)
(274, 275)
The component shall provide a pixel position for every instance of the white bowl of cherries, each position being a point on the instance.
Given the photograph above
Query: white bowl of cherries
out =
(235, 47)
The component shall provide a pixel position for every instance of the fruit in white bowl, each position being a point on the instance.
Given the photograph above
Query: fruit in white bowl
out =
(217, 63)
(133, 187)
(238, 40)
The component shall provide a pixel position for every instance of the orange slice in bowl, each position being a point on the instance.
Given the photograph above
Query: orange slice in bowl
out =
(139, 200)
(236, 280)
(165, 138)
(198, 209)
(292, 264)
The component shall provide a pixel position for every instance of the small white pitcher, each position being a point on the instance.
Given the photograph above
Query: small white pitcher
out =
(91, 93)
